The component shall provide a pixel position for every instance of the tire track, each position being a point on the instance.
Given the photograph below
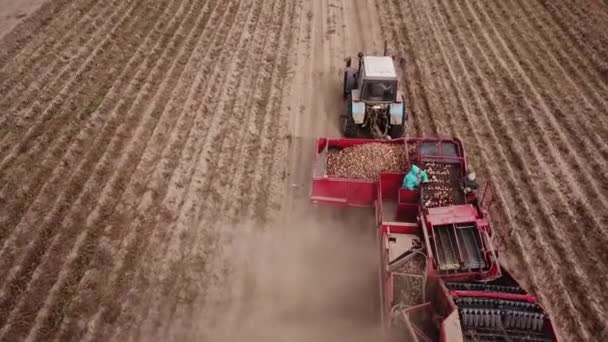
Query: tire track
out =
(38, 252)
(272, 151)
(255, 205)
(299, 153)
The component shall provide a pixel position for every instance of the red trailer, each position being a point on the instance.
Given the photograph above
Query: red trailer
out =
(342, 191)
(440, 277)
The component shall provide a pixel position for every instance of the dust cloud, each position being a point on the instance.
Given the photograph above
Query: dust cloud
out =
(314, 280)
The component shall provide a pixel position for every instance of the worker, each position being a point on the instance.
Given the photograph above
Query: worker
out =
(469, 183)
(413, 178)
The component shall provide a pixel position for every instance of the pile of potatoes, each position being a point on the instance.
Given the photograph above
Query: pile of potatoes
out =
(366, 161)
(439, 191)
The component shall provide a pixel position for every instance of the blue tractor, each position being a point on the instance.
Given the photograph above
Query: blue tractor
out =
(375, 108)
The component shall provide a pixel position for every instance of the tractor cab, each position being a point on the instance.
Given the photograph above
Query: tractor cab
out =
(379, 80)
(374, 106)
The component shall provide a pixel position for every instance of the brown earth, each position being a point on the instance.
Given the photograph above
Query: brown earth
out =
(155, 160)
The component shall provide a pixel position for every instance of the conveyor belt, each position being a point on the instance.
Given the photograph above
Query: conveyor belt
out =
(484, 287)
(458, 248)
(470, 247)
(447, 248)
(476, 302)
(500, 320)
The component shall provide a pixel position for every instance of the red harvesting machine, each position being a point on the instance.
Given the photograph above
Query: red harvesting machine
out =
(440, 276)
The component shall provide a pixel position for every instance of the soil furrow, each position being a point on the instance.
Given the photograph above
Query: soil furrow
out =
(559, 168)
(168, 170)
(245, 88)
(133, 245)
(266, 113)
(593, 20)
(59, 126)
(176, 247)
(489, 77)
(48, 230)
(21, 200)
(572, 28)
(170, 66)
(180, 26)
(502, 129)
(565, 104)
(269, 160)
(520, 129)
(431, 79)
(156, 166)
(46, 51)
(243, 188)
(416, 98)
(51, 88)
(574, 67)
(421, 106)
(30, 29)
(33, 205)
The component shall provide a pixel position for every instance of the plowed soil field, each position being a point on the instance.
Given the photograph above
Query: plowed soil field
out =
(155, 159)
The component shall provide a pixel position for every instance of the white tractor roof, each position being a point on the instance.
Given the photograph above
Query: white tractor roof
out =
(380, 67)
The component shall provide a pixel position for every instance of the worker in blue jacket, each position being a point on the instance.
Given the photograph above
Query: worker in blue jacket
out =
(413, 178)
